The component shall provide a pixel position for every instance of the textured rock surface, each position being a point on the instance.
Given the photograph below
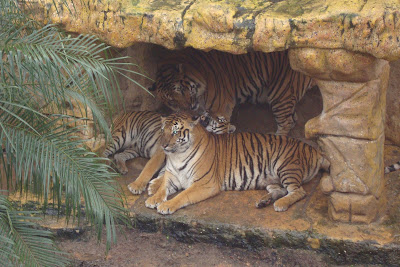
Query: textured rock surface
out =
(350, 129)
(145, 56)
(370, 26)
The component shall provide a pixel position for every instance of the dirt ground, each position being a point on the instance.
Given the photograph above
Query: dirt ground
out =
(136, 248)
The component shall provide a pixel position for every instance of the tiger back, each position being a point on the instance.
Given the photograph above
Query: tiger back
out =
(135, 134)
(203, 164)
(217, 82)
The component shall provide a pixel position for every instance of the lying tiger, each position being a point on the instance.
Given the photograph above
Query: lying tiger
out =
(137, 134)
(203, 164)
(215, 81)
(217, 125)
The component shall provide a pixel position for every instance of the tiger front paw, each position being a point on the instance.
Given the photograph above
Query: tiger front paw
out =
(153, 202)
(154, 185)
(136, 188)
(166, 208)
(281, 204)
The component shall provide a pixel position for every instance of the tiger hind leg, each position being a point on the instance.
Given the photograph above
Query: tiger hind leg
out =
(275, 191)
(285, 116)
(121, 158)
(295, 193)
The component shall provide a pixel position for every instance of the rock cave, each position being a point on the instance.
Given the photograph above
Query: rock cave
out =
(348, 48)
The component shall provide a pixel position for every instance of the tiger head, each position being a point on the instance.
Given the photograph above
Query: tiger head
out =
(177, 132)
(220, 125)
(179, 87)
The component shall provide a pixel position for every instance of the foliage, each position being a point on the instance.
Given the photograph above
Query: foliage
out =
(43, 72)
(21, 241)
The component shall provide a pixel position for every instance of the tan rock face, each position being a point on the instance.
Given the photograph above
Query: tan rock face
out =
(350, 129)
(336, 64)
(362, 208)
(145, 56)
(364, 26)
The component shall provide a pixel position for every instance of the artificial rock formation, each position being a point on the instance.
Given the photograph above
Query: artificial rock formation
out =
(368, 26)
(345, 46)
(350, 129)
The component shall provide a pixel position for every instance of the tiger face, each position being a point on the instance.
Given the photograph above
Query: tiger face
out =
(220, 125)
(176, 132)
(179, 87)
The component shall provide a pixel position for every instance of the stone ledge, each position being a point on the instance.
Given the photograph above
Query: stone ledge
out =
(340, 251)
(369, 26)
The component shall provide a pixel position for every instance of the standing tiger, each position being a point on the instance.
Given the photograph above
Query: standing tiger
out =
(203, 164)
(215, 81)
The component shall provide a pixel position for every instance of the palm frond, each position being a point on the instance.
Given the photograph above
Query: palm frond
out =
(56, 157)
(22, 242)
(42, 72)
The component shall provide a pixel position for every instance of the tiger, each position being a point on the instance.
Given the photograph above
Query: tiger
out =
(218, 125)
(202, 164)
(137, 134)
(196, 81)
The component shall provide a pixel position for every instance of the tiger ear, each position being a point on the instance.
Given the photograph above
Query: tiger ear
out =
(231, 128)
(163, 119)
(195, 121)
(181, 68)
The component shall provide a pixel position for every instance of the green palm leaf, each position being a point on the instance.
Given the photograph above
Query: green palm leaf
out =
(22, 242)
(42, 72)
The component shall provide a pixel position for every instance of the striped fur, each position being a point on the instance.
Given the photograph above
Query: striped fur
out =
(219, 125)
(135, 134)
(217, 82)
(203, 164)
(392, 168)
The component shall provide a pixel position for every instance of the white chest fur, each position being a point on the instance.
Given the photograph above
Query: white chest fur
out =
(181, 172)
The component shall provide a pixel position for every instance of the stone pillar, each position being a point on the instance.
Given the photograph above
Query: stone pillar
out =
(350, 129)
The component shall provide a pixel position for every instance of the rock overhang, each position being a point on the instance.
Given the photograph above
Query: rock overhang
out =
(365, 26)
